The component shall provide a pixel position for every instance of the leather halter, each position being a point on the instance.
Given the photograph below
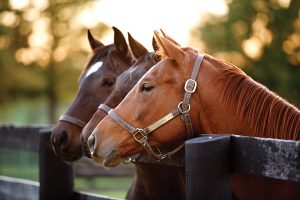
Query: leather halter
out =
(141, 135)
(72, 120)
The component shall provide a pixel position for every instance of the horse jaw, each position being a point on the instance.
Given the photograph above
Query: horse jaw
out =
(112, 159)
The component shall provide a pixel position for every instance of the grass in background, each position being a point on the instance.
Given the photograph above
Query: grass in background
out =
(19, 164)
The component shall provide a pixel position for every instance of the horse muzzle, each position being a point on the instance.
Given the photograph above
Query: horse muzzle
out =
(111, 159)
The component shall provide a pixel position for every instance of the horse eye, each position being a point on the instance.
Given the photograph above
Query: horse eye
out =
(146, 87)
(108, 82)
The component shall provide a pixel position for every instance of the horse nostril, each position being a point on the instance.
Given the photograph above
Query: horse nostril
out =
(91, 142)
(63, 139)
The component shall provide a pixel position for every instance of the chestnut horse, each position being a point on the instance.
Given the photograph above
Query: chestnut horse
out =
(151, 181)
(106, 63)
(214, 98)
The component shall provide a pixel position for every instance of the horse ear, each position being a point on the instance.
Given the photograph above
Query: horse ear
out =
(93, 42)
(168, 49)
(168, 37)
(154, 45)
(120, 42)
(138, 50)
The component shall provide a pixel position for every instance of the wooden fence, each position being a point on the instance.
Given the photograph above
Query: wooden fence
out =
(56, 178)
(208, 160)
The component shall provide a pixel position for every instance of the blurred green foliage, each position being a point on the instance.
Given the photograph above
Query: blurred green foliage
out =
(262, 37)
(42, 50)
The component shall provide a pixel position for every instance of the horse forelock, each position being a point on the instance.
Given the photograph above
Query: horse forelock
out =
(162, 55)
(267, 114)
(116, 61)
(98, 53)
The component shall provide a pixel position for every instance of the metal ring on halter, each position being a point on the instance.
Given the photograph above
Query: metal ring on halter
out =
(181, 110)
(143, 136)
(127, 160)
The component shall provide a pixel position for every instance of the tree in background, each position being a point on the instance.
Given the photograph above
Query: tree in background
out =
(263, 36)
(41, 48)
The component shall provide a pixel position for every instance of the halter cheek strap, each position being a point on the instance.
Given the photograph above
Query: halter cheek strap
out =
(190, 87)
(141, 135)
(72, 120)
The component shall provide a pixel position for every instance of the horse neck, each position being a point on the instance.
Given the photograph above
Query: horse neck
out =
(153, 182)
(231, 102)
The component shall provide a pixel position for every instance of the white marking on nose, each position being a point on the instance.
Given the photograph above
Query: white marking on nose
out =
(95, 67)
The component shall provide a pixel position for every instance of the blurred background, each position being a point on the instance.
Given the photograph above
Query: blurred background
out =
(43, 46)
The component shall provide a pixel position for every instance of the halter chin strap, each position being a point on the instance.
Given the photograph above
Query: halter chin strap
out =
(72, 120)
(141, 135)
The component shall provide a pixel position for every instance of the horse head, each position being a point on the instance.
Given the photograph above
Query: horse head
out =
(95, 84)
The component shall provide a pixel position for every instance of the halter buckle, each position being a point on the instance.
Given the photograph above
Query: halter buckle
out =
(190, 86)
(139, 135)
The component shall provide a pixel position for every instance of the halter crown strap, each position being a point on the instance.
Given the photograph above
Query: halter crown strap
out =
(190, 87)
(72, 120)
(191, 84)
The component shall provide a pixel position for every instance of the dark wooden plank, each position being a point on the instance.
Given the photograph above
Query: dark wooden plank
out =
(207, 164)
(18, 189)
(21, 189)
(20, 137)
(266, 157)
(56, 176)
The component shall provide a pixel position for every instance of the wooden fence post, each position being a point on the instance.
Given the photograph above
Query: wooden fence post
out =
(207, 162)
(56, 177)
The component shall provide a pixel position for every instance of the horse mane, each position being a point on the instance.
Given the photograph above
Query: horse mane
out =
(267, 114)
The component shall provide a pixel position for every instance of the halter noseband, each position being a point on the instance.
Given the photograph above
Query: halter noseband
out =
(141, 135)
(72, 120)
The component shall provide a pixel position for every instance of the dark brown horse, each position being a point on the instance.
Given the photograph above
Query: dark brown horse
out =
(151, 181)
(124, 83)
(100, 74)
(217, 98)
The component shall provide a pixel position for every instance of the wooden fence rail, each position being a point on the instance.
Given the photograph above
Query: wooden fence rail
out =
(209, 161)
(56, 178)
